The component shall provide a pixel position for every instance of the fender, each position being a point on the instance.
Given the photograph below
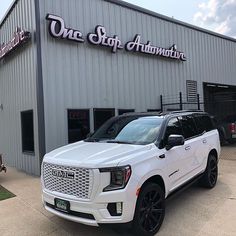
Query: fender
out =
(143, 178)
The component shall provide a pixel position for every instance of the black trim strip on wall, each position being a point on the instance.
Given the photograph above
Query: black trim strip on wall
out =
(39, 86)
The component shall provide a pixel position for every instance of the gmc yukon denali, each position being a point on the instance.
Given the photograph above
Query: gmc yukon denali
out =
(124, 172)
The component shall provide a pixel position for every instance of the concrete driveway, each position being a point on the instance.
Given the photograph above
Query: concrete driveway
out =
(196, 211)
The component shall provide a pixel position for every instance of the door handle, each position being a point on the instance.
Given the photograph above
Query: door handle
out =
(187, 148)
(162, 156)
(204, 141)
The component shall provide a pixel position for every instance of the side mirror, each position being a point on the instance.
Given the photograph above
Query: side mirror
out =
(174, 140)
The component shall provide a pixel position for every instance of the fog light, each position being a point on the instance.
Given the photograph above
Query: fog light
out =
(119, 208)
(115, 208)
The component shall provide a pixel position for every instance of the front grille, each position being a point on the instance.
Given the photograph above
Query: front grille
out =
(80, 186)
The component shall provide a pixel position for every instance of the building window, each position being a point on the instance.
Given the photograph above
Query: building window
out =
(78, 124)
(191, 87)
(123, 111)
(27, 129)
(101, 116)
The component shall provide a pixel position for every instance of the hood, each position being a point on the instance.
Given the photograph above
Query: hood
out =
(94, 155)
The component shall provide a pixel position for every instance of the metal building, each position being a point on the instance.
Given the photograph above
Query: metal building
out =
(68, 65)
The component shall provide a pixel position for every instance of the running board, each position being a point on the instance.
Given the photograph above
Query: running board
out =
(184, 187)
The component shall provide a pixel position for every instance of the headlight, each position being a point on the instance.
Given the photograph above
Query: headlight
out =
(119, 177)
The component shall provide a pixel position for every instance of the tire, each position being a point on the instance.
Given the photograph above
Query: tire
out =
(150, 210)
(210, 176)
(223, 141)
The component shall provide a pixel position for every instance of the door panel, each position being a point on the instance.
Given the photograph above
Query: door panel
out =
(175, 165)
(192, 145)
(174, 157)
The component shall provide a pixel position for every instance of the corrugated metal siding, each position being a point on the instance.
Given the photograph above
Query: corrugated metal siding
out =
(17, 89)
(84, 76)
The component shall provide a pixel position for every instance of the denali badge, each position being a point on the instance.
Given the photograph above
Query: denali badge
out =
(63, 174)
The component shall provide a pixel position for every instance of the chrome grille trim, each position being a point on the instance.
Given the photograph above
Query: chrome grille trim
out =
(80, 187)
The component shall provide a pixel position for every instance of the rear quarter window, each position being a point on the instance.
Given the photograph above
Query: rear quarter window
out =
(204, 123)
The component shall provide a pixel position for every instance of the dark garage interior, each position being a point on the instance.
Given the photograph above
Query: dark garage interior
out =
(220, 100)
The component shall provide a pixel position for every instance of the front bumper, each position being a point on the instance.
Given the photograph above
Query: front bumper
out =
(97, 208)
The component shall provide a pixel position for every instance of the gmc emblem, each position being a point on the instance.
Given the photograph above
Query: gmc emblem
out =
(63, 174)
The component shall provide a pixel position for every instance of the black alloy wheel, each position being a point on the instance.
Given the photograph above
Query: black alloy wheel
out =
(210, 176)
(213, 172)
(150, 210)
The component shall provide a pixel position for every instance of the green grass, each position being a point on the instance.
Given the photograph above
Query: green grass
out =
(5, 194)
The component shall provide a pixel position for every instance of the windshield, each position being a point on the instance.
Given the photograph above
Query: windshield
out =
(129, 130)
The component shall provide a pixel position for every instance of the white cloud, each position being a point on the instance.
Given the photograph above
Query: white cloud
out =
(218, 15)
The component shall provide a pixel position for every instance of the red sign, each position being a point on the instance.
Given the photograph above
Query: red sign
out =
(19, 37)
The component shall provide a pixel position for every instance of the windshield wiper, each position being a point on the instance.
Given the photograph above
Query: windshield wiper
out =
(120, 142)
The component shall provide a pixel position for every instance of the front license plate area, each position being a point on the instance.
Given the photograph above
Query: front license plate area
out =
(62, 205)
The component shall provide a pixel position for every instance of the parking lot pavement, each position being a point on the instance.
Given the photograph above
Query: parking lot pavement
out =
(195, 212)
(229, 152)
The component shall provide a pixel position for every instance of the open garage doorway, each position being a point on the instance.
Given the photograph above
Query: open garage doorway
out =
(219, 100)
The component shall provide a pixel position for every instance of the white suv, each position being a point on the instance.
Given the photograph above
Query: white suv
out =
(125, 170)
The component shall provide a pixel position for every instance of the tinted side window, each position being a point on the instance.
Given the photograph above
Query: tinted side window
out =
(189, 127)
(173, 127)
(204, 123)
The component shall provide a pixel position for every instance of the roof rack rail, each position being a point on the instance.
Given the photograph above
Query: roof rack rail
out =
(142, 113)
(189, 110)
(159, 112)
(181, 111)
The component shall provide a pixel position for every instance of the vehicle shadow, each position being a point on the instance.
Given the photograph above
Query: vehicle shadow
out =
(189, 211)
(186, 214)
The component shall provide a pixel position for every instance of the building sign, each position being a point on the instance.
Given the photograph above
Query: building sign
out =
(57, 29)
(100, 38)
(20, 37)
(147, 48)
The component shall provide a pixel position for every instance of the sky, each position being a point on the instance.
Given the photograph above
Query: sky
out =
(4, 5)
(215, 15)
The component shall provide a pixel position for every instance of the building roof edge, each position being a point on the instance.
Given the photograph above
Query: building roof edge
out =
(169, 19)
(142, 10)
